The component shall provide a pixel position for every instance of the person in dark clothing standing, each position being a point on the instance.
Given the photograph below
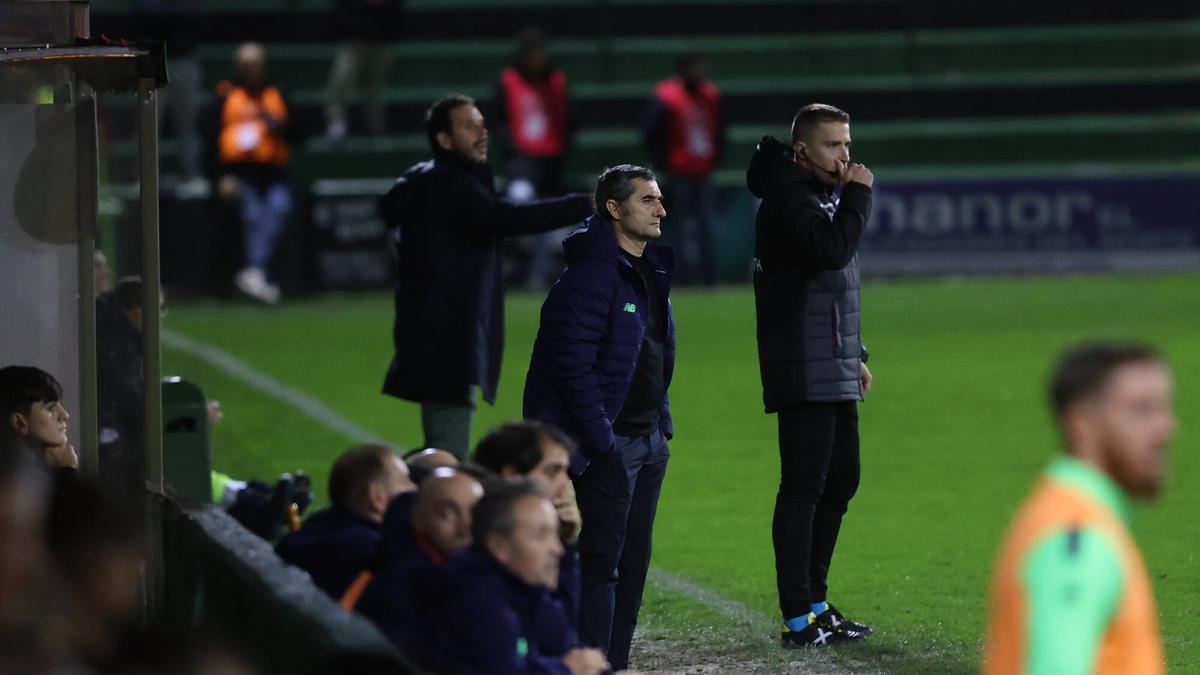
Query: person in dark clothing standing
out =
(448, 223)
(601, 367)
(811, 355)
(368, 27)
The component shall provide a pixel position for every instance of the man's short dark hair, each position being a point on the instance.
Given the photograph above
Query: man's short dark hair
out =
(1083, 371)
(813, 114)
(437, 118)
(494, 512)
(129, 293)
(357, 468)
(519, 445)
(22, 386)
(616, 182)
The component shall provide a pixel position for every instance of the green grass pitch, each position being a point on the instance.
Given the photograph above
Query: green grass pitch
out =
(953, 435)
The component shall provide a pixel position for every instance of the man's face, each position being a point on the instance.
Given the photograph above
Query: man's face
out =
(533, 549)
(45, 425)
(1129, 425)
(551, 473)
(828, 148)
(640, 216)
(468, 134)
(443, 512)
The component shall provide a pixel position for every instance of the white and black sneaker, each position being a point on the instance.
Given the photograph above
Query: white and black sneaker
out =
(834, 619)
(816, 634)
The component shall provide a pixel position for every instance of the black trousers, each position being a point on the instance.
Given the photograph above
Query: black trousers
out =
(618, 498)
(819, 472)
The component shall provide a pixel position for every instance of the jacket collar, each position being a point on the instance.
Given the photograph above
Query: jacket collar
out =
(596, 239)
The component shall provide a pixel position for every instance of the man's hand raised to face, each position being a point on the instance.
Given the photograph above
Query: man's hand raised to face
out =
(857, 173)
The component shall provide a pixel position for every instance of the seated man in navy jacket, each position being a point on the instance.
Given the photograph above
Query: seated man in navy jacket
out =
(540, 453)
(337, 543)
(420, 538)
(499, 614)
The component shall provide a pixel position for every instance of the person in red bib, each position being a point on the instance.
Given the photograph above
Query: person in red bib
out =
(253, 158)
(534, 133)
(684, 132)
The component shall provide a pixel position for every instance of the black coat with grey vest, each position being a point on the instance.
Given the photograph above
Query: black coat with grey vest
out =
(806, 285)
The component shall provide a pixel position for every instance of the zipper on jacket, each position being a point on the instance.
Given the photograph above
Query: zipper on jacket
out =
(836, 321)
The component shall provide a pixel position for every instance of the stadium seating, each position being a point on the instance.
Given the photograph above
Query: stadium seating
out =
(937, 88)
(921, 98)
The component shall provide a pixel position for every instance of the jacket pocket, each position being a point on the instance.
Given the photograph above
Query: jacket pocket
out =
(835, 322)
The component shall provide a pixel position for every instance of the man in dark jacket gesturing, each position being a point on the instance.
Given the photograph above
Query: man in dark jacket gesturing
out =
(810, 352)
(600, 371)
(448, 224)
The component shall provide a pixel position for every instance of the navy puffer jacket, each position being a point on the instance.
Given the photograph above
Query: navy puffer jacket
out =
(591, 332)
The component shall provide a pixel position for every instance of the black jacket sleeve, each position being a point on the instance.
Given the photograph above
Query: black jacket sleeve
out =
(487, 213)
(820, 245)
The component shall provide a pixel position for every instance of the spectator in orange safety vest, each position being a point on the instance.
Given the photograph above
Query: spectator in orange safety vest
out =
(253, 158)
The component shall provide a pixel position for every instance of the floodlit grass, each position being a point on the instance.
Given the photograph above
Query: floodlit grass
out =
(953, 435)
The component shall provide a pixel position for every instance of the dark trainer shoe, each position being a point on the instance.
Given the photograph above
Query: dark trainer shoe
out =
(816, 634)
(834, 619)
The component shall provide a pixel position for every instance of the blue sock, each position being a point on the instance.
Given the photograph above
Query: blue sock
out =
(799, 623)
(819, 608)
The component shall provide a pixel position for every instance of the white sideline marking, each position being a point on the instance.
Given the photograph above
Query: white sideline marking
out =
(256, 379)
(319, 412)
(758, 621)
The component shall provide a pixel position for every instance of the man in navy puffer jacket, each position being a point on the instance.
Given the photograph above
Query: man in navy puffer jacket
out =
(600, 370)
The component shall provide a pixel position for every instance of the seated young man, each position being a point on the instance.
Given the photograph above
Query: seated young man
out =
(337, 543)
(420, 539)
(498, 613)
(541, 453)
(32, 416)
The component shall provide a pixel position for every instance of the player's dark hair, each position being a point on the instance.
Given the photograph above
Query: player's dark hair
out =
(22, 386)
(354, 471)
(1083, 371)
(494, 512)
(519, 445)
(437, 117)
(813, 114)
(616, 183)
